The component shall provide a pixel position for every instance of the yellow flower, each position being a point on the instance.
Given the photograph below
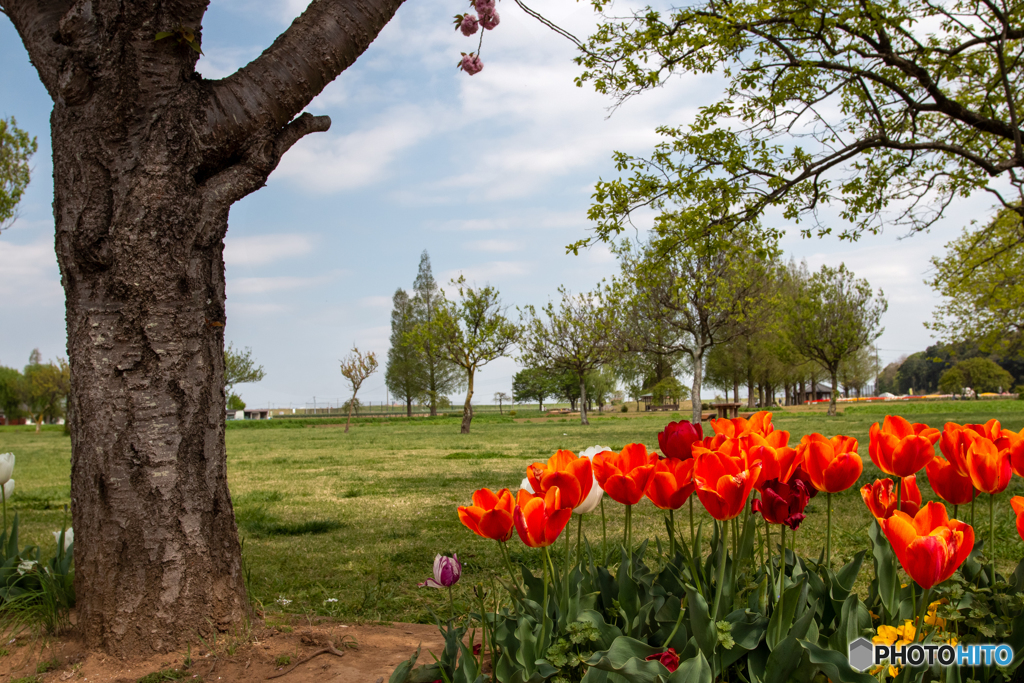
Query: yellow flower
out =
(932, 616)
(894, 671)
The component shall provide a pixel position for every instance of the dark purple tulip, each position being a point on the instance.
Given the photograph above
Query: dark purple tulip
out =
(783, 503)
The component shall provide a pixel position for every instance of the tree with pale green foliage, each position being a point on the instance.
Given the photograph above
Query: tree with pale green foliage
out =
(16, 148)
(406, 371)
(470, 331)
(578, 335)
(886, 111)
(356, 368)
(442, 376)
(981, 279)
(240, 368)
(832, 317)
(45, 388)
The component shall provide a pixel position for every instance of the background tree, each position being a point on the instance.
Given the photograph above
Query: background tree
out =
(532, 384)
(45, 388)
(887, 378)
(11, 393)
(898, 106)
(981, 278)
(579, 336)
(978, 374)
(148, 158)
(240, 368)
(16, 148)
(833, 316)
(442, 376)
(356, 367)
(501, 397)
(686, 298)
(858, 369)
(406, 373)
(470, 332)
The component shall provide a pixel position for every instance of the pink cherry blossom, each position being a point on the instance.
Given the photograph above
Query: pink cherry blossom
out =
(489, 20)
(484, 6)
(471, 64)
(469, 25)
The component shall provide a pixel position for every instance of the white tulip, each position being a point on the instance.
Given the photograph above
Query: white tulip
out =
(69, 537)
(6, 467)
(527, 485)
(593, 498)
(8, 489)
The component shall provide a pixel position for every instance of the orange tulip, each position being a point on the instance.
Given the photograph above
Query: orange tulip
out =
(929, 545)
(540, 519)
(880, 497)
(1017, 503)
(624, 476)
(723, 483)
(758, 423)
(948, 483)
(832, 464)
(954, 442)
(671, 484)
(490, 515)
(777, 461)
(571, 474)
(901, 448)
(988, 467)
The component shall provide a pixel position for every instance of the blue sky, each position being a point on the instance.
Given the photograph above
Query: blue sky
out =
(492, 174)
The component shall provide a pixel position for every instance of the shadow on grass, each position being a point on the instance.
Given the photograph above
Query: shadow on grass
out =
(254, 517)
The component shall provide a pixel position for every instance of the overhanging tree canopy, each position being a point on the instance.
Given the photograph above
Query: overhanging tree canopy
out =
(888, 110)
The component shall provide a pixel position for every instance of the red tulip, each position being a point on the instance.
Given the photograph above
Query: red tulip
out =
(723, 483)
(900, 448)
(954, 442)
(540, 519)
(880, 497)
(624, 476)
(759, 423)
(571, 474)
(777, 461)
(1017, 503)
(783, 503)
(490, 515)
(669, 659)
(671, 484)
(948, 483)
(988, 467)
(832, 464)
(929, 545)
(676, 440)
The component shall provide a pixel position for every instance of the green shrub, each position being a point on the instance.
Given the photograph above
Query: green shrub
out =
(624, 408)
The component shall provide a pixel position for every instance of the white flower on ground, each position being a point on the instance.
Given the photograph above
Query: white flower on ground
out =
(330, 600)
(26, 566)
(593, 498)
(283, 601)
(6, 467)
(69, 537)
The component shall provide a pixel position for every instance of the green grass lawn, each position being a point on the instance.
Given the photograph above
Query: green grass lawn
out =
(358, 517)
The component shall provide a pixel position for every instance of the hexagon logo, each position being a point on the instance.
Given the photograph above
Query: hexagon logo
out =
(860, 655)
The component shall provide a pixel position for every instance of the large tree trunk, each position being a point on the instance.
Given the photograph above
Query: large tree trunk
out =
(147, 160)
(467, 407)
(408, 407)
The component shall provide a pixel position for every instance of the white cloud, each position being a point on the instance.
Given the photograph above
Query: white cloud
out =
(258, 250)
(330, 163)
(30, 274)
(486, 273)
(500, 246)
(376, 302)
(265, 285)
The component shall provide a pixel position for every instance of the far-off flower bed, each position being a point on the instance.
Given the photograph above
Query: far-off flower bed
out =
(750, 609)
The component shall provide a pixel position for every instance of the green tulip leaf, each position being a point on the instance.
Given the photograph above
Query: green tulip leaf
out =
(402, 671)
(835, 665)
(793, 603)
(786, 657)
(627, 657)
(694, 669)
(701, 625)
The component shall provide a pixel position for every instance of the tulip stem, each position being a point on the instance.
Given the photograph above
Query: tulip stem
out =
(991, 538)
(972, 512)
(692, 536)
(451, 603)
(828, 537)
(3, 496)
(579, 539)
(722, 556)
(508, 563)
(544, 603)
(627, 533)
(566, 577)
(483, 628)
(956, 512)
(922, 612)
(679, 620)
(671, 533)
(604, 535)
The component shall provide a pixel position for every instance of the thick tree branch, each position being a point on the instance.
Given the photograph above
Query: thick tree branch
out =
(263, 96)
(37, 21)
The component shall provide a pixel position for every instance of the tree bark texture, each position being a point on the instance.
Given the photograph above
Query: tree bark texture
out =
(148, 158)
(696, 412)
(467, 407)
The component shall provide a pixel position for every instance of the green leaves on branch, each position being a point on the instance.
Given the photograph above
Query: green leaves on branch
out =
(889, 111)
(16, 148)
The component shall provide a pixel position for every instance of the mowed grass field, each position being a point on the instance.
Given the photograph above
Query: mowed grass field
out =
(347, 524)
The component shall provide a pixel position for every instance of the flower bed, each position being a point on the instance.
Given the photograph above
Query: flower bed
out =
(749, 609)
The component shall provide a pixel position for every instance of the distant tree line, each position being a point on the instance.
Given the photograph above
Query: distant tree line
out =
(39, 392)
(951, 368)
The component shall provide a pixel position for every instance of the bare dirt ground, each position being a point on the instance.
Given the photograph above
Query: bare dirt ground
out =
(370, 654)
